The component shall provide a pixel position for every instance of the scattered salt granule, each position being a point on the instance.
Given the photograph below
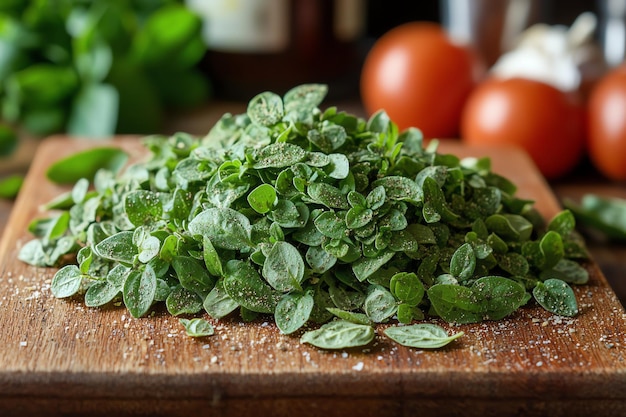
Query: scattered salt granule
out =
(358, 366)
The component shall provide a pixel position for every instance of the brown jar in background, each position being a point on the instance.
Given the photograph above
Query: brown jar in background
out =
(260, 45)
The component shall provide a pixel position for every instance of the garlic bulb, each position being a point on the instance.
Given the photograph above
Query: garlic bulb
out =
(553, 54)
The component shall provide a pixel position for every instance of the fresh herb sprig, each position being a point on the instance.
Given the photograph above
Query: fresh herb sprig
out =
(315, 217)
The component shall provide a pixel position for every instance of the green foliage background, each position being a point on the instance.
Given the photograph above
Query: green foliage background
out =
(97, 67)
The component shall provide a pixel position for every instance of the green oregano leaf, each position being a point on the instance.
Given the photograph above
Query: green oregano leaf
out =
(357, 200)
(557, 297)
(435, 205)
(192, 275)
(351, 316)
(407, 313)
(514, 263)
(376, 198)
(344, 298)
(551, 246)
(197, 327)
(606, 215)
(245, 286)
(400, 188)
(85, 258)
(148, 246)
(266, 109)
(225, 227)
(328, 195)
(394, 220)
(358, 217)
(563, 223)
(339, 334)
(305, 96)
(455, 303)
(365, 267)
(407, 287)
(284, 267)
(379, 304)
(379, 122)
(218, 303)
(139, 290)
(169, 248)
(422, 336)
(331, 225)
(183, 301)
(79, 191)
(279, 155)
(10, 186)
(143, 207)
(319, 259)
(339, 166)
(101, 293)
(289, 214)
(566, 270)
(66, 281)
(262, 198)
(211, 258)
(497, 296)
(117, 275)
(163, 290)
(293, 311)
(463, 262)
(512, 227)
(119, 247)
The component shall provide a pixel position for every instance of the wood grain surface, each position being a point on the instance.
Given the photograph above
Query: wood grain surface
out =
(58, 357)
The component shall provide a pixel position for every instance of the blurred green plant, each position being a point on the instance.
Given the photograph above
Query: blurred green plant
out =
(97, 67)
(10, 186)
(8, 140)
(603, 215)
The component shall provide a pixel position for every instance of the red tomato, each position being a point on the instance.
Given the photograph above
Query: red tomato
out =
(420, 78)
(548, 123)
(607, 124)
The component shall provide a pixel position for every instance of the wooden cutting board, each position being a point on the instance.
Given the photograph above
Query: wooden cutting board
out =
(58, 357)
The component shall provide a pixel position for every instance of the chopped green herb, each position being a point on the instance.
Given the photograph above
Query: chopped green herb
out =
(318, 218)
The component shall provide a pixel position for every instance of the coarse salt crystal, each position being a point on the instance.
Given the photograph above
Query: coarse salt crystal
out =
(358, 366)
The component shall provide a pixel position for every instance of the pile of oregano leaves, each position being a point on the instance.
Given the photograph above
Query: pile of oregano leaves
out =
(315, 217)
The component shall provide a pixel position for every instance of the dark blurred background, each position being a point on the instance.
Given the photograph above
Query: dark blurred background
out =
(383, 15)
(337, 63)
(94, 68)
